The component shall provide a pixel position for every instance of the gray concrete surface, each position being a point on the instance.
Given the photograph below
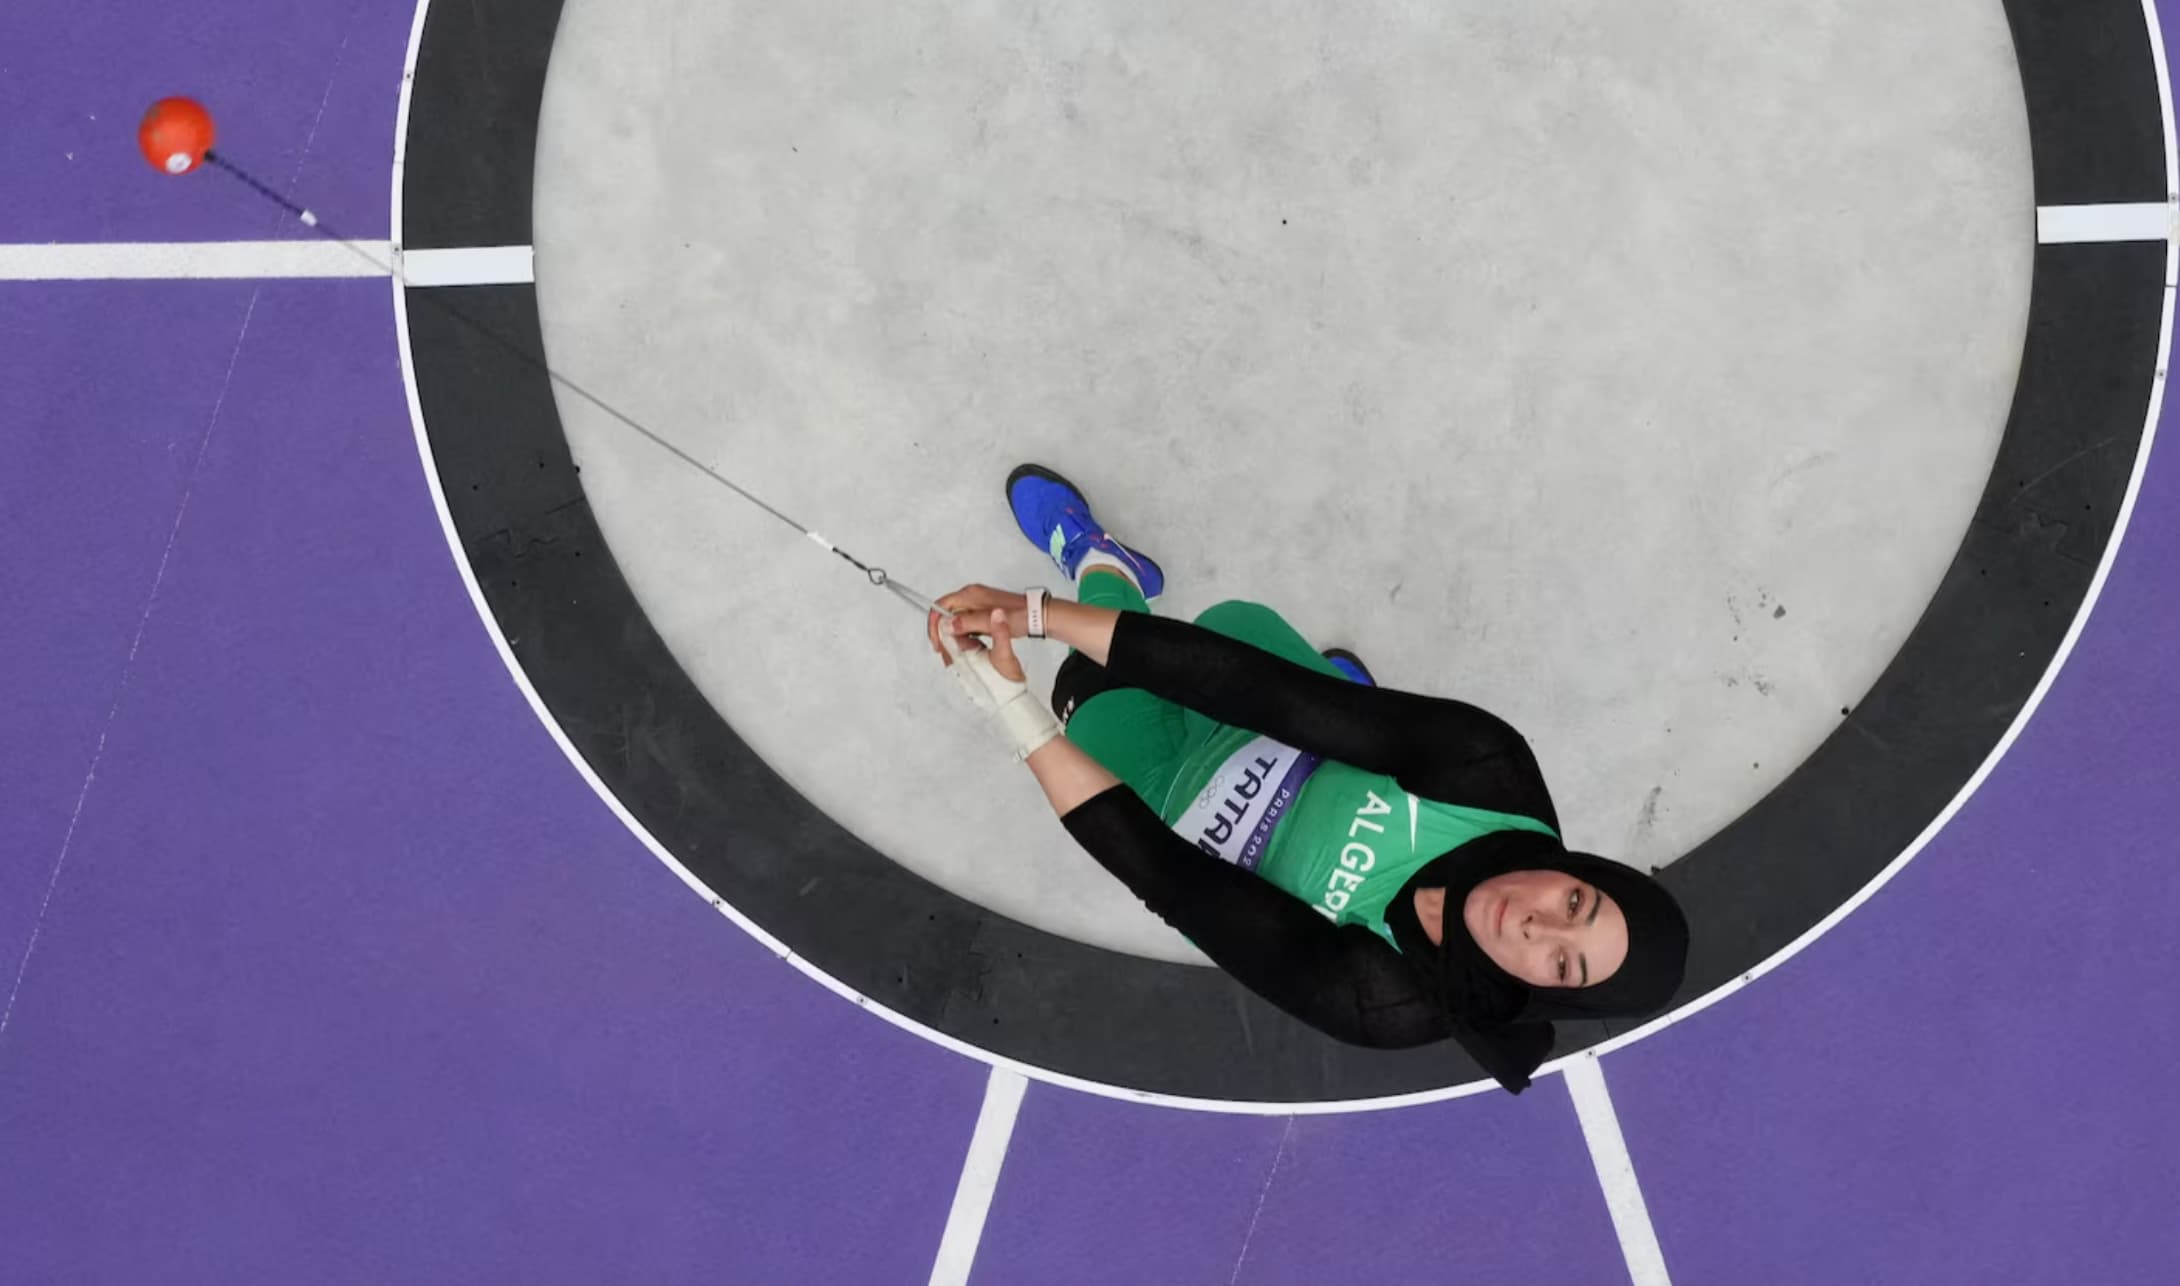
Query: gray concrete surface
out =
(1629, 370)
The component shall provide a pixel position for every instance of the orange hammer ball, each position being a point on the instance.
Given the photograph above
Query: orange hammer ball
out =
(175, 135)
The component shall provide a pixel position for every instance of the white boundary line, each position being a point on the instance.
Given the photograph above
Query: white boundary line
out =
(1694, 1007)
(263, 261)
(2163, 62)
(401, 128)
(515, 265)
(187, 260)
(470, 266)
(2065, 225)
(979, 1178)
(1616, 1172)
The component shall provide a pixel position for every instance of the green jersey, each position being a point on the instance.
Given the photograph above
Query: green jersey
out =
(1341, 839)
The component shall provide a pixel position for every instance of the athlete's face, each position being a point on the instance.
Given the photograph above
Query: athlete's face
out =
(1547, 928)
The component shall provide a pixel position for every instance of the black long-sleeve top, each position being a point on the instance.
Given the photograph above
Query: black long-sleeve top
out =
(1343, 980)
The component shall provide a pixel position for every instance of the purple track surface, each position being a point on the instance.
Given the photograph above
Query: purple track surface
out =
(332, 969)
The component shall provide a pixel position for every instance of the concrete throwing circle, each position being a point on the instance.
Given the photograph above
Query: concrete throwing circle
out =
(776, 366)
(1449, 335)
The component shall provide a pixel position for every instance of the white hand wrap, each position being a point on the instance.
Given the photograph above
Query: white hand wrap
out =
(1025, 723)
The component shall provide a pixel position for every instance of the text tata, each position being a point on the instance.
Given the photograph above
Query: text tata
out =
(1355, 860)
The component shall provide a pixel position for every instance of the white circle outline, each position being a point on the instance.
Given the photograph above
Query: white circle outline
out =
(1238, 1107)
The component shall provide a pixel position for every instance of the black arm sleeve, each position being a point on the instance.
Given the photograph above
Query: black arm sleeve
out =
(1344, 981)
(1439, 749)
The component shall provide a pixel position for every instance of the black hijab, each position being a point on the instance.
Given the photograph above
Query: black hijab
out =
(1503, 1022)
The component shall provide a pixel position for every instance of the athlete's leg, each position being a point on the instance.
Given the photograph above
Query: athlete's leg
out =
(1056, 518)
(1136, 736)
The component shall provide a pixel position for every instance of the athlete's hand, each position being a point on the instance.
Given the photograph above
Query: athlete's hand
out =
(992, 678)
(973, 605)
(962, 631)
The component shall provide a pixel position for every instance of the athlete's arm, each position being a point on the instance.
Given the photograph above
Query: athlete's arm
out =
(1441, 749)
(1438, 748)
(1344, 981)
(1070, 777)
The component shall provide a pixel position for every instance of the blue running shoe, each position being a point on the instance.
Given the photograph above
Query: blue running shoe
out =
(1351, 665)
(1051, 511)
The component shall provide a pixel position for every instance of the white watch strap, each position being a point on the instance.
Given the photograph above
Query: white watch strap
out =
(1036, 597)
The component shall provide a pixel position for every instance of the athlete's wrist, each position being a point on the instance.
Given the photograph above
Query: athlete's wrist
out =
(1083, 627)
(1063, 620)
